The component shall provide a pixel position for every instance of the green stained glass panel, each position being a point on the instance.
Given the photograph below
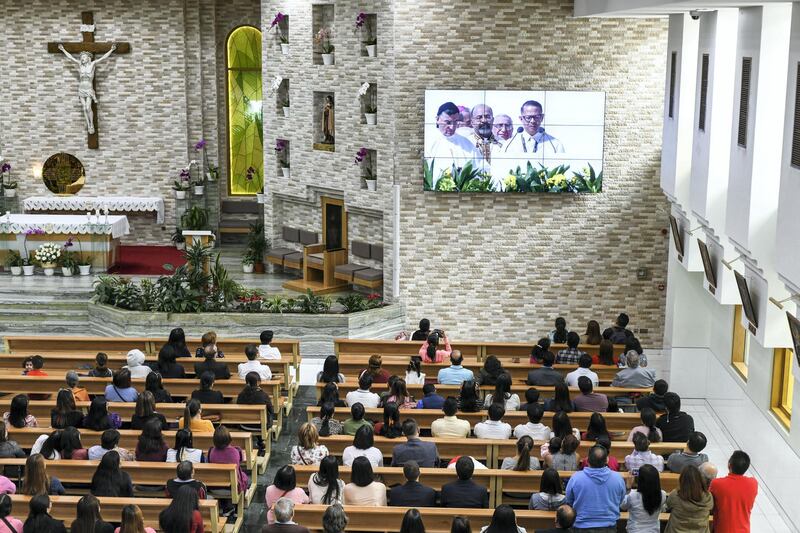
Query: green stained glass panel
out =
(245, 121)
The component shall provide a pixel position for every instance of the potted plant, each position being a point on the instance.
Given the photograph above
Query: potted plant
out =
(84, 265)
(213, 173)
(277, 23)
(323, 40)
(370, 42)
(48, 255)
(371, 45)
(195, 219)
(248, 260)
(282, 147)
(69, 263)
(177, 239)
(363, 158)
(285, 105)
(9, 189)
(180, 189)
(257, 245)
(371, 114)
(14, 261)
(199, 186)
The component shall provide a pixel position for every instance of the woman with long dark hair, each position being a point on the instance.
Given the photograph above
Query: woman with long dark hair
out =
(469, 397)
(522, 461)
(17, 415)
(502, 394)
(412, 522)
(167, 365)
(206, 392)
(193, 418)
(330, 371)
(363, 489)
(325, 423)
(49, 445)
(430, 352)
(253, 394)
(183, 450)
(375, 369)
(644, 503)
(325, 487)
(39, 519)
(99, 419)
(146, 410)
(648, 427)
(71, 446)
(151, 445)
(183, 513)
(551, 492)
(284, 485)
(562, 426)
(504, 520)
(363, 446)
(414, 373)
(605, 354)
(538, 351)
(65, 414)
(154, 385)
(592, 335)
(390, 427)
(561, 400)
(460, 525)
(110, 480)
(559, 335)
(597, 428)
(330, 394)
(492, 369)
(133, 521)
(177, 342)
(398, 393)
(690, 504)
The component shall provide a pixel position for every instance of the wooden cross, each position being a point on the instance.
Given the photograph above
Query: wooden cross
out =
(89, 45)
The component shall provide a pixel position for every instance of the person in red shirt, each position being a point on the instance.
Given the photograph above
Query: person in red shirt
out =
(38, 364)
(734, 496)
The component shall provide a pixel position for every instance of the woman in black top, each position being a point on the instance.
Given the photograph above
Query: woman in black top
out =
(153, 384)
(65, 414)
(209, 364)
(469, 399)
(146, 410)
(166, 365)
(206, 394)
(424, 330)
(99, 418)
(492, 368)
(101, 370)
(88, 517)
(39, 521)
(330, 394)
(252, 394)
(110, 480)
(177, 340)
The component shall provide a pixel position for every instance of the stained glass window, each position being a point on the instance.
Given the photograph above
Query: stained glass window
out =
(245, 121)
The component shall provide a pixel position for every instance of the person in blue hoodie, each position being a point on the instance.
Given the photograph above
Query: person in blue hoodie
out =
(596, 493)
(431, 400)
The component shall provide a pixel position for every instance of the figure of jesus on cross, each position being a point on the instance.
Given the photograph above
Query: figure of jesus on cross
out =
(86, 69)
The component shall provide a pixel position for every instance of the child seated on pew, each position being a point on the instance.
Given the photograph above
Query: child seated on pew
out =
(184, 450)
(561, 454)
(109, 441)
(185, 472)
(27, 365)
(101, 369)
(38, 365)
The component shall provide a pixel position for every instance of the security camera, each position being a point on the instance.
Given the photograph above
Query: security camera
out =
(695, 14)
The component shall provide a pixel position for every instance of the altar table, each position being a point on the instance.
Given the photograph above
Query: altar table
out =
(83, 204)
(95, 237)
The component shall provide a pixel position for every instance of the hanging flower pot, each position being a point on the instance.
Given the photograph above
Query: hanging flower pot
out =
(285, 49)
(16, 271)
(371, 184)
(286, 172)
(286, 111)
(66, 272)
(27, 270)
(85, 270)
(372, 50)
(180, 195)
(198, 190)
(327, 59)
(372, 118)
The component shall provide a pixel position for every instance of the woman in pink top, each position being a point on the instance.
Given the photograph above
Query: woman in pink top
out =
(429, 351)
(8, 524)
(223, 453)
(284, 486)
(133, 521)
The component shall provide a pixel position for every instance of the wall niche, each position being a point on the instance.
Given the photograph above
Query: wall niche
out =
(282, 101)
(369, 35)
(322, 18)
(368, 168)
(324, 125)
(283, 157)
(369, 105)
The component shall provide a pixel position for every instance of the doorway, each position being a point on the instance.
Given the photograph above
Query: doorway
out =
(334, 224)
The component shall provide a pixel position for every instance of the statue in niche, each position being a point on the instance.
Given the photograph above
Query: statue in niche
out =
(328, 121)
(86, 92)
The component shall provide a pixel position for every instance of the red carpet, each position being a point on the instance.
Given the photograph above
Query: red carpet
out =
(146, 260)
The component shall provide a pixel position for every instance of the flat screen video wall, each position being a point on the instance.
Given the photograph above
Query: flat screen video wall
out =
(514, 141)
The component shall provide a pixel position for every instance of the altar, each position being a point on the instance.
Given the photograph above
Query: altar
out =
(93, 236)
(83, 204)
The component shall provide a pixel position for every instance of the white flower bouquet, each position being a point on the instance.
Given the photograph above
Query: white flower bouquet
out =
(48, 253)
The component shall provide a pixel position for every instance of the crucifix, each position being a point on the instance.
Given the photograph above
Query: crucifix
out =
(86, 69)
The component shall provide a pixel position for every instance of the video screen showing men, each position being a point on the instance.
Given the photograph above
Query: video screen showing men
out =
(481, 141)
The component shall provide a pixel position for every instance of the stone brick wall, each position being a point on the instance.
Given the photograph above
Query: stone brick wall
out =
(486, 266)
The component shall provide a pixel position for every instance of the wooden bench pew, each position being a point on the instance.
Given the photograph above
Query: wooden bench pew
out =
(436, 519)
(58, 343)
(352, 365)
(128, 439)
(488, 451)
(495, 480)
(230, 388)
(65, 508)
(453, 390)
(250, 415)
(615, 422)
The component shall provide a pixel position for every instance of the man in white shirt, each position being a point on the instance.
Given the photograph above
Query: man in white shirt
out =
(265, 351)
(534, 141)
(584, 363)
(449, 148)
(450, 425)
(534, 428)
(363, 395)
(493, 428)
(251, 351)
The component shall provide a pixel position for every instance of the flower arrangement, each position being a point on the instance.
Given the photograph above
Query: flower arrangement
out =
(279, 19)
(362, 24)
(30, 231)
(281, 147)
(80, 260)
(323, 40)
(5, 171)
(275, 85)
(369, 104)
(209, 169)
(47, 253)
(361, 156)
(361, 19)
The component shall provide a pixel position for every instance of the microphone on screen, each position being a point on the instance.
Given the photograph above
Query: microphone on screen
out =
(519, 130)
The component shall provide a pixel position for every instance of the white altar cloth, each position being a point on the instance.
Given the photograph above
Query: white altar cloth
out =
(90, 203)
(116, 226)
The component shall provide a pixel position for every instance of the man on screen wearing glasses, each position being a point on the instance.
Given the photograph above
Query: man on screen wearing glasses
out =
(534, 139)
